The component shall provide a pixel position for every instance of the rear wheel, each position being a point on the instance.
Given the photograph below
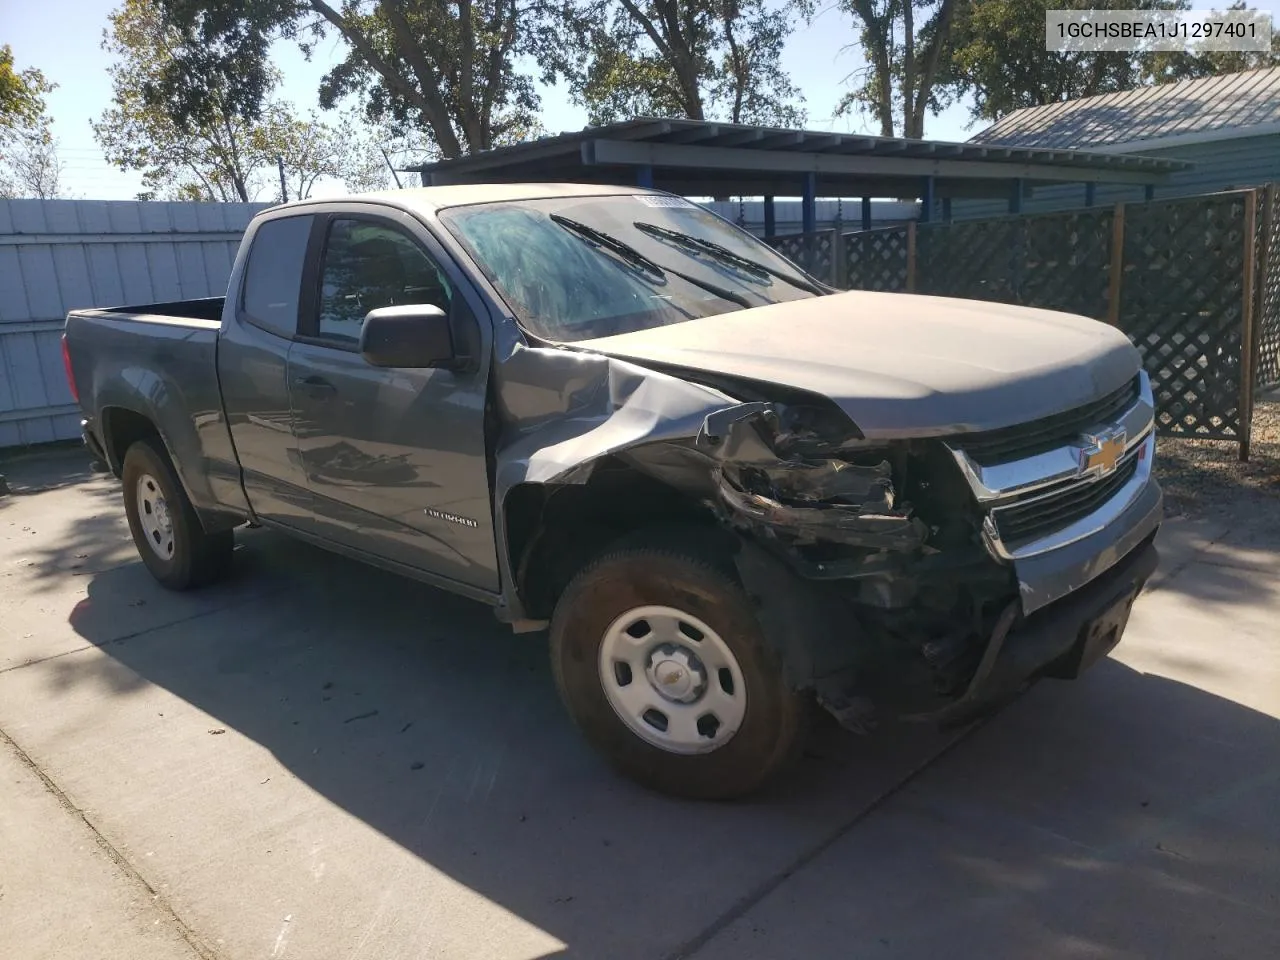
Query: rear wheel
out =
(658, 656)
(170, 540)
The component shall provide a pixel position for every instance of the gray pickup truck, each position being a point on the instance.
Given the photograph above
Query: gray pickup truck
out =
(729, 491)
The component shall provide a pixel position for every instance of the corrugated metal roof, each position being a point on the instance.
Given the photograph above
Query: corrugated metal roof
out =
(1193, 111)
(740, 159)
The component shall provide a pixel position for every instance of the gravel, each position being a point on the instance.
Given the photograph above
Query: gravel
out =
(1204, 477)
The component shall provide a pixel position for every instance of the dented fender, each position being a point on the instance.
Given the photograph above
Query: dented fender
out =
(563, 411)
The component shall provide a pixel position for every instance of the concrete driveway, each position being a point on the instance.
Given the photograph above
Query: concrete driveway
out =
(317, 760)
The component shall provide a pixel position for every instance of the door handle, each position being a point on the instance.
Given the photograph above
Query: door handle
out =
(315, 386)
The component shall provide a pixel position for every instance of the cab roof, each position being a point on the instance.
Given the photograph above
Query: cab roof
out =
(431, 199)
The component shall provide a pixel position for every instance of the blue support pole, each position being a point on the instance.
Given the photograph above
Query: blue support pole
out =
(1149, 192)
(644, 176)
(926, 200)
(809, 203)
(866, 213)
(1015, 197)
(946, 209)
(1090, 194)
(770, 222)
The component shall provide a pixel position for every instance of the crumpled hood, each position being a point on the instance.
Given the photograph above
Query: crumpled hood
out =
(901, 365)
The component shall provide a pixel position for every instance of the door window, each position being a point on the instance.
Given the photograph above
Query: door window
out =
(368, 265)
(273, 274)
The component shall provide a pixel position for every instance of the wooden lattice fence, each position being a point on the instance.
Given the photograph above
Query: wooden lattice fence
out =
(1267, 313)
(815, 253)
(1194, 282)
(1058, 261)
(1182, 299)
(877, 259)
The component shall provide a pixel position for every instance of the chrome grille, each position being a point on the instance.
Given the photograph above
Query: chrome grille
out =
(1028, 439)
(1036, 516)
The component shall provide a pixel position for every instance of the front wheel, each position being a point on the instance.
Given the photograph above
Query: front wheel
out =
(177, 550)
(658, 656)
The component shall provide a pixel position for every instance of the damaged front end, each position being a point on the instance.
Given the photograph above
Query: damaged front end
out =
(865, 559)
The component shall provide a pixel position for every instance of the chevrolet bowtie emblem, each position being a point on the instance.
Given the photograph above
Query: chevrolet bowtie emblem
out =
(1101, 451)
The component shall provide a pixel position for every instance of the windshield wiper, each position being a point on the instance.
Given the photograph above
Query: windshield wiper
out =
(725, 255)
(611, 243)
(637, 259)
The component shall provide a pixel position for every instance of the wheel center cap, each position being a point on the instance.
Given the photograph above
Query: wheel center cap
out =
(676, 674)
(162, 515)
(673, 678)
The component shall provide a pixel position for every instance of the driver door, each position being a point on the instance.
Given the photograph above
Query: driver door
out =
(394, 457)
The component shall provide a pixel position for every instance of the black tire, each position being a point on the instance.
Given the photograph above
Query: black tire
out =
(197, 557)
(685, 578)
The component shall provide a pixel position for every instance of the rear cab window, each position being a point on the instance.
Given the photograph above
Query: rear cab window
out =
(273, 275)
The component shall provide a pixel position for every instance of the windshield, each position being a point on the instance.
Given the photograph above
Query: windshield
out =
(574, 268)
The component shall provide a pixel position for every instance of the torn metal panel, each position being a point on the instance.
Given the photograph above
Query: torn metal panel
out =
(809, 500)
(563, 411)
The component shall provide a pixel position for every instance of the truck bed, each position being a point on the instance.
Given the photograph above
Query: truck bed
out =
(159, 361)
(205, 308)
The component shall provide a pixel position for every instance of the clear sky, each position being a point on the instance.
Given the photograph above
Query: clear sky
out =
(63, 38)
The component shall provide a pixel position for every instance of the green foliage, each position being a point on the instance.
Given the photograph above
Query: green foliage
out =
(997, 55)
(1172, 67)
(447, 68)
(700, 59)
(29, 165)
(903, 42)
(215, 153)
(21, 93)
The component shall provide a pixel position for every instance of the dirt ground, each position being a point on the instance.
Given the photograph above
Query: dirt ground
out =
(1207, 477)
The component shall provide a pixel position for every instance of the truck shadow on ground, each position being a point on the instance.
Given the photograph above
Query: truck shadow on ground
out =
(416, 713)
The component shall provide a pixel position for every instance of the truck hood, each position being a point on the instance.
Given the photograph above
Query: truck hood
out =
(901, 365)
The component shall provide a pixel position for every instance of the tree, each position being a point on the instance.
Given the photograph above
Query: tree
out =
(903, 42)
(700, 59)
(312, 150)
(217, 155)
(21, 93)
(447, 68)
(1170, 67)
(996, 55)
(29, 164)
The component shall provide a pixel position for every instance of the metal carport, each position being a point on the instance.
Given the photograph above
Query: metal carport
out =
(698, 158)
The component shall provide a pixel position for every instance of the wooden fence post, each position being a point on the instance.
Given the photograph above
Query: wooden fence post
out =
(1246, 319)
(911, 256)
(1117, 266)
(839, 260)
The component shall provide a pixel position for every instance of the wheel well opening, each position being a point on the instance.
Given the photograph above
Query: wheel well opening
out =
(121, 429)
(553, 531)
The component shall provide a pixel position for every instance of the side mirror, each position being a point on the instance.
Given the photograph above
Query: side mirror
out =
(414, 335)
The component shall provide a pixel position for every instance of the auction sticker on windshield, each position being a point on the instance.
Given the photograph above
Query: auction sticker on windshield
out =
(651, 200)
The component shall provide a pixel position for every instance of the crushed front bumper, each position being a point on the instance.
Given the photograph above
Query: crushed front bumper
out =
(1062, 639)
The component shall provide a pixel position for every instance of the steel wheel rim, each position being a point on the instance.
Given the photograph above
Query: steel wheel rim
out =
(672, 680)
(154, 518)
